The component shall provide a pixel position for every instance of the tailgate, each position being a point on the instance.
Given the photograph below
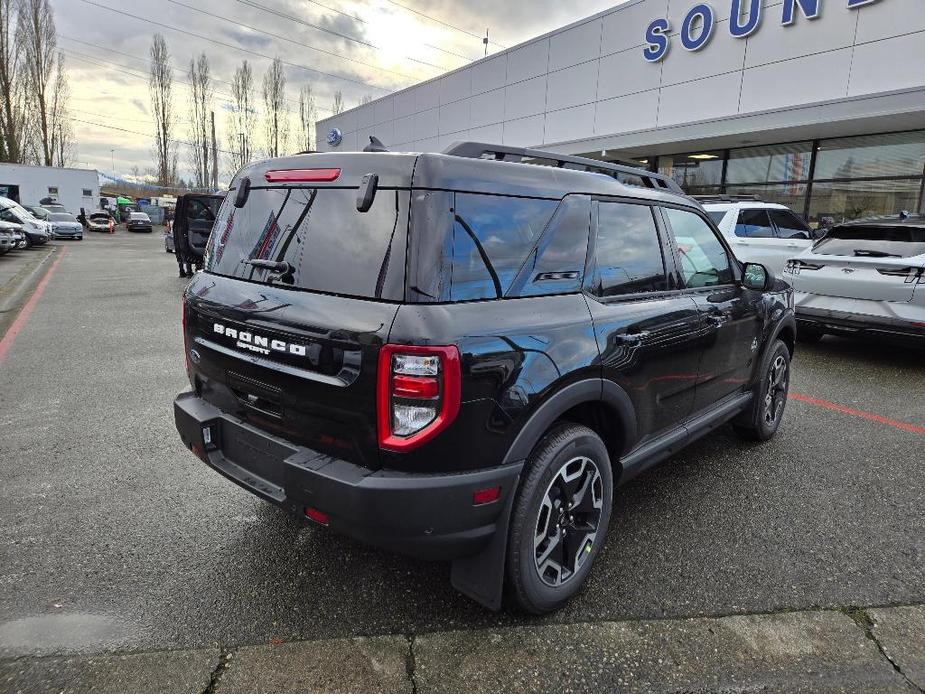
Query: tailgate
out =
(873, 279)
(297, 364)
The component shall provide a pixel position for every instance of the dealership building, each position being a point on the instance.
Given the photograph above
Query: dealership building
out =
(818, 104)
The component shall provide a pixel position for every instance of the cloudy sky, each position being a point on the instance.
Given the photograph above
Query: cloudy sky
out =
(359, 47)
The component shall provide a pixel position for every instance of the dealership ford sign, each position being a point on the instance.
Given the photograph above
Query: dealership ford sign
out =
(700, 21)
(335, 137)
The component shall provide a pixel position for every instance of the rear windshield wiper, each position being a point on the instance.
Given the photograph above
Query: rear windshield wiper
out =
(483, 255)
(281, 270)
(874, 254)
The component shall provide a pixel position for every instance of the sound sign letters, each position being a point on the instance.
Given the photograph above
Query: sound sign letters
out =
(700, 21)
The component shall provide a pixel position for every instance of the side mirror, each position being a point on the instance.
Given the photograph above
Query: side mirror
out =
(757, 277)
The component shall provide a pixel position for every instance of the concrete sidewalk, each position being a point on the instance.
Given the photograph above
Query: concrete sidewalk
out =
(872, 650)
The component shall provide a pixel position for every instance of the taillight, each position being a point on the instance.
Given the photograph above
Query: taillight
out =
(302, 175)
(418, 394)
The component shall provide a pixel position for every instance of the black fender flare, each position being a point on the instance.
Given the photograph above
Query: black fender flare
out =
(481, 576)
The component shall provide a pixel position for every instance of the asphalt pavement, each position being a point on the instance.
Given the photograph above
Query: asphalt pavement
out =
(116, 539)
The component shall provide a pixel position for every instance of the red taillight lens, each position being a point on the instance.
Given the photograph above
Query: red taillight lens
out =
(418, 394)
(486, 496)
(317, 516)
(302, 175)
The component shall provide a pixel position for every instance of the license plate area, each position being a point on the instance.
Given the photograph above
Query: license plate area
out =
(261, 456)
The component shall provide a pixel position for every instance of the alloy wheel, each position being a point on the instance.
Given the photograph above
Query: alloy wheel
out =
(567, 522)
(777, 390)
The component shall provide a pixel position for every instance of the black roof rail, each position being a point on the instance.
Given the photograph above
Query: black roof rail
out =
(522, 155)
(723, 197)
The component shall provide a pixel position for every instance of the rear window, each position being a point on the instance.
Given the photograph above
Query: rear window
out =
(872, 242)
(330, 246)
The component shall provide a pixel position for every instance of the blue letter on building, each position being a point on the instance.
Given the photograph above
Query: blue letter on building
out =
(657, 40)
(705, 12)
(858, 3)
(740, 31)
(810, 9)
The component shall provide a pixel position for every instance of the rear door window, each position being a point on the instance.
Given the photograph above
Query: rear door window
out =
(789, 226)
(628, 256)
(330, 246)
(754, 224)
(492, 238)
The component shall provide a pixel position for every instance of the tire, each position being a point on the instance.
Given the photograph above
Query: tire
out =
(28, 240)
(761, 421)
(569, 463)
(809, 336)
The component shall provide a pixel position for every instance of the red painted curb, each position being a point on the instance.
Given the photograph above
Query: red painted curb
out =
(835, 407)
(26, 310)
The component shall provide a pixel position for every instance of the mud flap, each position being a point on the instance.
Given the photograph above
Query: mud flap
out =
(481, 576)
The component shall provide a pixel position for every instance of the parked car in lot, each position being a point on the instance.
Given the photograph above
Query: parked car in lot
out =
(139, 221)
(865, 277)
(65, 226)
(35, 232)
(54, 207)
(759, 232)
(38, 212)
(192, 225)
(100, 221)
(458, 357)
(7, 240)
(17, 238)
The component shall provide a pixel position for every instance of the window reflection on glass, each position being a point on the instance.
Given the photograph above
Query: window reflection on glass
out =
(838, 202)
(704, 262)
(793, 195)
(770, 164)
(695, 171)
(628, 255)
(754, 224)
(869, 156)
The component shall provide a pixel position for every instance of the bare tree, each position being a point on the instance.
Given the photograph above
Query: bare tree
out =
(307, 117)
(160, 84)
(366, 99)
(243, 119)
(63, 140)
(276, 112)
(338, 105)
(201, 94)
(12, 85)
(43, 64)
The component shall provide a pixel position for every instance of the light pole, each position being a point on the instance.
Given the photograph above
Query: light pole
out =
(112, 156)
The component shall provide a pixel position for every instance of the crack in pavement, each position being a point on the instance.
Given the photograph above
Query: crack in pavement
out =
(223, 660)
(410, 665)
(863, 620)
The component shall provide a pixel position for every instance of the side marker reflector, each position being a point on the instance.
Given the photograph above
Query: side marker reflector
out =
(317, 516)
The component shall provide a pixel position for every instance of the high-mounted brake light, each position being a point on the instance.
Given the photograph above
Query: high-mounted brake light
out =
(418, 393)
(302, 175)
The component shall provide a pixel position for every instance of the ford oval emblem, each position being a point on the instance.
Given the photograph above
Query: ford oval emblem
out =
(335, 137)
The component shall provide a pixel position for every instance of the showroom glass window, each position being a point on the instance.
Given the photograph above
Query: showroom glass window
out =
(698, 173)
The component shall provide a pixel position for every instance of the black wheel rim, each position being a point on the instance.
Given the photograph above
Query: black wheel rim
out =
(776, 395)
(567, 521)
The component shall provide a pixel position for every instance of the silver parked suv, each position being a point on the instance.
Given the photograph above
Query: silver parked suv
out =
(864, 278)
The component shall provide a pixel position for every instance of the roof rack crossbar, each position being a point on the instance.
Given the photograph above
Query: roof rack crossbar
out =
(726, 197)
(522, 155)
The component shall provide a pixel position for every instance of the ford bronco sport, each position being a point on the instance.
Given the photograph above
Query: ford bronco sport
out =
(458, 356)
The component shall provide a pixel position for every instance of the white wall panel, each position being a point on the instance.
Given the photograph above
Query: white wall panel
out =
(524, 132)
(622, 74)
(897, 63)
(798, 81)
(713, 97)
(427, 97)
(773, 42)
(569, 124)
(723, 54)
(572, 86)
(404, 129)
(576, 45)
(454, 117)
(486, 108)
(527, 61)
(455, 86)
(385, 109)
(489, 74)
(406, 103)
(426, 124)
(489, 133)
(627, 113)
(525, 98)
(626, 26)
(903, 17)
(366, 116)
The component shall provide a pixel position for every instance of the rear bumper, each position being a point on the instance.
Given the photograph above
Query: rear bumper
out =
(842, 323)
(428, 516)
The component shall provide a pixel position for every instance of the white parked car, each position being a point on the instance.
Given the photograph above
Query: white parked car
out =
(759, 232)
(864, 278)
(35, 232)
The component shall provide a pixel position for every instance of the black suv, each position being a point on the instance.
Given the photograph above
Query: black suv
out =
(459, 355)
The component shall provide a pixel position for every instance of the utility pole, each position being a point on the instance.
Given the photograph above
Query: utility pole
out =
(214, 156)
(485, 41)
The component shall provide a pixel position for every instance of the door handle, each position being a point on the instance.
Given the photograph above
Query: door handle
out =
(716, 320)
(635, 338)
